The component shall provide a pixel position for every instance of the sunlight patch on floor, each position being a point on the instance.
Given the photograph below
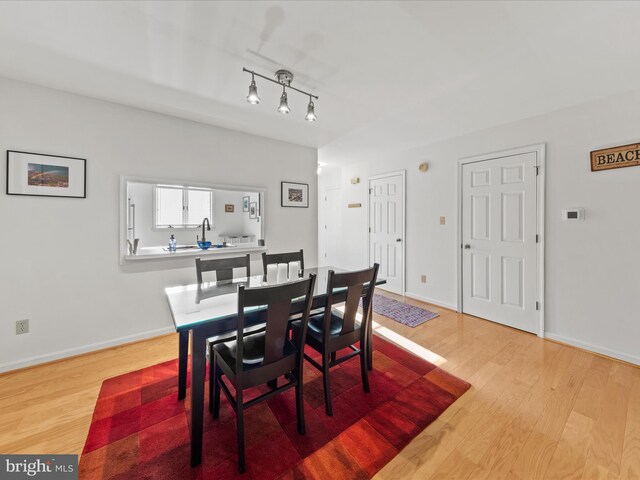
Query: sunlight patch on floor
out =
(404, 342)
(413, 347)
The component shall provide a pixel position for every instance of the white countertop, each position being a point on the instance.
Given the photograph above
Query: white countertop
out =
(151, 253)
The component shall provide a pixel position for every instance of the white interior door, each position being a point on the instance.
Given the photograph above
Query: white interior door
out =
(331, 225)
(499, 234)
(386, 229)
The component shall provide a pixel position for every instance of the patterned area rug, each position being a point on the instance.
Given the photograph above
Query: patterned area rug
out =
(401, 312)
(141, 431)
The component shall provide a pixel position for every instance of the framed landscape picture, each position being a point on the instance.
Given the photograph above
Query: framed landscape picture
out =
(46, 175)
(245, 203)
(295, 195)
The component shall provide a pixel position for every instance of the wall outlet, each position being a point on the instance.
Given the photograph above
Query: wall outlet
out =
(442, 220)
(423, 278)
(22, 326)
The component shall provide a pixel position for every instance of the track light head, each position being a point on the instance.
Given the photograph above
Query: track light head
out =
(284, 105)
(311, 114)
(253, 97)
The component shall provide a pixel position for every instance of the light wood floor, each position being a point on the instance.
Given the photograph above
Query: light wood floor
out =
(536, 409)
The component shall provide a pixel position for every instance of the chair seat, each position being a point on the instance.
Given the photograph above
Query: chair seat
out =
(230, 336)
(316, 324)
(253, 351)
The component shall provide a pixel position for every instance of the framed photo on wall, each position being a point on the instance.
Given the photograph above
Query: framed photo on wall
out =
(295, 195)
(253, 210)
(245, 203)
(46, 175)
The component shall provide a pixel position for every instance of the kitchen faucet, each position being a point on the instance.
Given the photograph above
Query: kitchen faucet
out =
(206, 220)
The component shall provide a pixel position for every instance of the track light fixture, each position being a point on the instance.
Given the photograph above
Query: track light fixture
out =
(253, 97)
(284, 105)
(284, 78)
(311, 114)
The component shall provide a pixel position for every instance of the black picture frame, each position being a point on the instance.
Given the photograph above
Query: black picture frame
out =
(294, 195)
(253, 210)
(19, 178)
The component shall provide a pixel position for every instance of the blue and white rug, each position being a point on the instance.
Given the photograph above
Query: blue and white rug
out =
(403, 313)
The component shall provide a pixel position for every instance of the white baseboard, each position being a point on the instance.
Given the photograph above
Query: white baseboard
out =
(48, 357)
(594, 348)
(433, 301)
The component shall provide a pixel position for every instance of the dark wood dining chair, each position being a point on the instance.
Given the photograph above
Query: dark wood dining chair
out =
(223, 267)
(331, 331)
(262, 358)
(269, 258)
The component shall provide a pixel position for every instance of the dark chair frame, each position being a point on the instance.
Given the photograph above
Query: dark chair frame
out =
(359, 284)
(222, 266)
(270, 258)
(224, 271)
(275, 362)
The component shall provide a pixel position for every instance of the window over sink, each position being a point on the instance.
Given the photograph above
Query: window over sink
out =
(181, 207)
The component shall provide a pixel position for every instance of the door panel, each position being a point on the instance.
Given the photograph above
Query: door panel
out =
(386, 218)
(499, 277)
(480, 276)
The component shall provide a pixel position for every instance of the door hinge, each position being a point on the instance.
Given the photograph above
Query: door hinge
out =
(537, 238)
(369, 229)
(370, 190)
(537, 305)
(537, 167)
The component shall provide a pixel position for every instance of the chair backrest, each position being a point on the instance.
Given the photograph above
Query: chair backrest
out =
(222, 266)
(358, 284)
(269, 258)
(278, 300)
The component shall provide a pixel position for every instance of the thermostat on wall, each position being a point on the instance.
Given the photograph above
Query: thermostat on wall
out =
(573, 214)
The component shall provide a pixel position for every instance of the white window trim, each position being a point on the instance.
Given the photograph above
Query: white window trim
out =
(183, 226)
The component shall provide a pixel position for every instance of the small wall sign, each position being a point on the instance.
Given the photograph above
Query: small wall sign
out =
(355, 205)
(615, 157)
(229, 207)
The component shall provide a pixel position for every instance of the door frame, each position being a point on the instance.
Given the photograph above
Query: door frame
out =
(325, 221)
(539, 150)
(403, 173)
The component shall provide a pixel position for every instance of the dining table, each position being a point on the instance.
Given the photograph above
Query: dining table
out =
(210, 309)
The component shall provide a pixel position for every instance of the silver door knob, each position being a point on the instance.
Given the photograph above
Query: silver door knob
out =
(467, 246)
(398, 239)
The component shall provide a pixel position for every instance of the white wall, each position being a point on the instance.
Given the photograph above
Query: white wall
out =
(59, 259)
(592, 267)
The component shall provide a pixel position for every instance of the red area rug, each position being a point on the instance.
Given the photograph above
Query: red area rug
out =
(141, 431)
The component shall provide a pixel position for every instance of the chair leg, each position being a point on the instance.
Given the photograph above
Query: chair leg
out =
(364, 370)
(273, 384)
(333, 356)
(300, 402)
(212, 379)
(325, 377)
(240, 430)
(217, 378)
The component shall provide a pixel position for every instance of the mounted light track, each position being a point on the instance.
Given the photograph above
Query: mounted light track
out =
(284, 78)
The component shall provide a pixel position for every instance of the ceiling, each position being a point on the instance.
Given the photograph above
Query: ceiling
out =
(390, 75)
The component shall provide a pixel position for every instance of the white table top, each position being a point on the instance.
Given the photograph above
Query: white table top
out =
(210, 301)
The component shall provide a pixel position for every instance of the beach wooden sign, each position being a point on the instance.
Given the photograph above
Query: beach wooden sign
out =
(615, 157)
